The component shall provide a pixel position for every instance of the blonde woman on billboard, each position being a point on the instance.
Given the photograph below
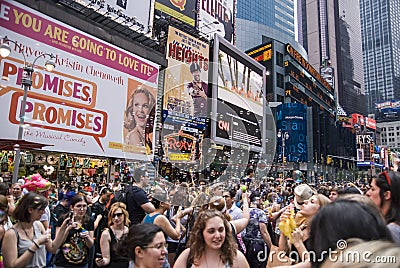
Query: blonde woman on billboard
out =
(137, 114)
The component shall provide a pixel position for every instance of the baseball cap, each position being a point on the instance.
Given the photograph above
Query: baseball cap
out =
(302, 192)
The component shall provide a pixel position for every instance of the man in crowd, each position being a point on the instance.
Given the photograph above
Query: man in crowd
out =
(233, 210)
(100, 212)
(137, 202)
(16, 191)
(198, 91)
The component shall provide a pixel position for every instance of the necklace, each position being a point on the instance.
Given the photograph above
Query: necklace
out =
(26, 233)
(118, 237)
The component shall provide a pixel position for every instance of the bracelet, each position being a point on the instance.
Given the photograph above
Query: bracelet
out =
(36, 244)
(31, 251)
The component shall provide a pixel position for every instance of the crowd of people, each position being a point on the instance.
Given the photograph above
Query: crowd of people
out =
(269, 224)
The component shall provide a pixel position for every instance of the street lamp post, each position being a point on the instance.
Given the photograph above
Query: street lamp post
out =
(284, 136)
(26, 82)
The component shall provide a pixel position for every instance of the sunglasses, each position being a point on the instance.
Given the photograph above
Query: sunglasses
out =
(118, 214)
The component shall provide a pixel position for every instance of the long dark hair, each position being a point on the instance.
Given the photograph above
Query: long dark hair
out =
(390, 181)
(29, 200)
(341, 220)
(140, 235)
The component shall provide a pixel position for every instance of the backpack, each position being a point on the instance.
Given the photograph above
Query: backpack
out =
(121, 196)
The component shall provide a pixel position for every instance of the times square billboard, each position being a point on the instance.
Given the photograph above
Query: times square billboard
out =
(85, 105)
(238, 98)
(291, 118)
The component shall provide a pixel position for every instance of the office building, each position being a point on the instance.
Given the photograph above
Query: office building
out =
(380, 27)
(332, 38)
(258, 18)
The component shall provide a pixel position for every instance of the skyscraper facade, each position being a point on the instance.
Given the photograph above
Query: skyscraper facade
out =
(332, 38)
(380, 26)
(257, 18)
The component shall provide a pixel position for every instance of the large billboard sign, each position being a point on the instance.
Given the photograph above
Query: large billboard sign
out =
(264, 55)
(186, 94)
(183, 10)
(291, 119)
(128, 13)
(365, 146)
(239, 86)
(97, 101)
(388, 109)
(217, 16)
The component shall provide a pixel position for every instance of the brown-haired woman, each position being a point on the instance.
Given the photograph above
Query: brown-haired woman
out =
(25, 244)
(209, 245)
(385, 193)
(118, 222)
(79, 239)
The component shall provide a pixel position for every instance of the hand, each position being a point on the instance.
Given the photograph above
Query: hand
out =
(179, 215)
(44, 238)
(202, 94)
(297, 236)
(100, 262)
(10, 199)
(66, 225)
(285, 215)
(84, 234)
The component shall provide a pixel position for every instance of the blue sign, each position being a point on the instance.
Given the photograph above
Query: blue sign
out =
(291, 121)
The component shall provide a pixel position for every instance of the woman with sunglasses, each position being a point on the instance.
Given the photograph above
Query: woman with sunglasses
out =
(25, 244)
(145, 245)
(385, 193)
(118, 222)
(79, 239)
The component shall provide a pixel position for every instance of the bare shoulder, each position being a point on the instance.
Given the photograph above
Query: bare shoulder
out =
(240, 261)
(106, 233)
(10, 235)
(182, 259)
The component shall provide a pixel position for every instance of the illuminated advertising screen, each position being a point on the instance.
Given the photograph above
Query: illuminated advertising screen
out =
(217, 16)
(388, 109)
(264, 55)
(178, 9)
(239, 87)
(291, 120)
(185, 105)
(86, 104)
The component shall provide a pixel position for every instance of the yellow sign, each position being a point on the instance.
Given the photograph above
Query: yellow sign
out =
(179, 157)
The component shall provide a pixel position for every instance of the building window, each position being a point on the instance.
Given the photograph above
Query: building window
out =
(279, 59)
(280, 80)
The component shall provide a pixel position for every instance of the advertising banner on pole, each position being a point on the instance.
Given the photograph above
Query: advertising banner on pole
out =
(98, 101)
(185, 106)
